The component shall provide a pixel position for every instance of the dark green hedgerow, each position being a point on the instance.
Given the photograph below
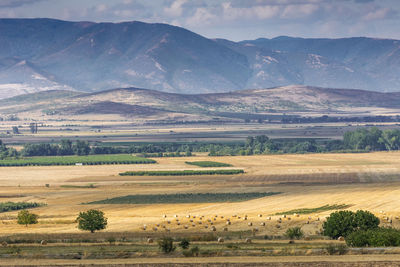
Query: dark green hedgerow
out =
(208, 164)
(180, 173)
(10, 206)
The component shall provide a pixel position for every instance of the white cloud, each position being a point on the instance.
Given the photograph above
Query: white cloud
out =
(299, 11)
(201, 17)
(175, 9)
(258, 11)
(376, 14)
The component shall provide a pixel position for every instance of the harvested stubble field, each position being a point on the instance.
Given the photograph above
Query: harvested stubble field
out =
(361, 181)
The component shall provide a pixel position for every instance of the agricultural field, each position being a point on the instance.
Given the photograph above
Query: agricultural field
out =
(307, 187)
(75, 160)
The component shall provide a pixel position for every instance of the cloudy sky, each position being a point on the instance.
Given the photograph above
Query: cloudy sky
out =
(230, 19)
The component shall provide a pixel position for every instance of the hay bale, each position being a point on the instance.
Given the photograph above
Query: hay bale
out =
(187, 216)
(289, 218)
(213, 228)
(208, 220)
(193, 225)
(228, 223)
(155, 229)
(215, 219)
(194, 217)
(176, 215)
(150, 240)
(245, 218)
(165, 216)
(262, 224)
(278, 226)
(144, 227)
(238, 217)
(178, 223)
(269, 218)
(163, 226)
(220, 240)
(186, 227)
(307, 222)
(225, 229)
(250, 224)
(157, 224)
(247, 240)
(309, 218)
(191, 220)
(255, 230)
(260, 215)
(340, 238)
(234, 215)
(221, 217)
(206, 226)
(200, 222)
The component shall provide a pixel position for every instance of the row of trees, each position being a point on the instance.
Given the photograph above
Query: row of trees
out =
(372, 139)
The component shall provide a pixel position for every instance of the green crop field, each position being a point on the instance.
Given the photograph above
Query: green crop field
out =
(208, 164)
(73, 160)
(184, 198)
(180, 173)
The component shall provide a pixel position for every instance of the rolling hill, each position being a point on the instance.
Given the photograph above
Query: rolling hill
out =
(48, 54)
(152, 105)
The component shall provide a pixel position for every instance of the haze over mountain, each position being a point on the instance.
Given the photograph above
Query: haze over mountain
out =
(47, 54)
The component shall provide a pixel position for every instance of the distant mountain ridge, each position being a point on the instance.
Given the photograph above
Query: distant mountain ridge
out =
(151, 105)
(48, 54)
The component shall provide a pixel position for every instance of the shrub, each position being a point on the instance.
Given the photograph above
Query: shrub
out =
(379, 237)
(92, 220)
(294, 232)
(9, 206)
(343, 223)
(25, 217)
(166, 245)
(184, 244)
(336, 249)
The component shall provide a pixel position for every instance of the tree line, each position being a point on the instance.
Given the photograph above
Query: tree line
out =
(360, 140)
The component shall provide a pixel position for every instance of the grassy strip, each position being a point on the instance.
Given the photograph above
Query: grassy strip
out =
(10, 206)
(179, 173)
(208, 164)
(73, 160)
(313, 210)
(184, 198)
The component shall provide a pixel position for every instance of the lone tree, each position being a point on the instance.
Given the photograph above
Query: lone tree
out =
(343, 223)
(92, 220)
(25, 217)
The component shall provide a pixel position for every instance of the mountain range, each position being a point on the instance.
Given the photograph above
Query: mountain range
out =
(48, 54)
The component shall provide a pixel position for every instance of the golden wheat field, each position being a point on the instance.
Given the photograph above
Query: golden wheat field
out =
(362, 181)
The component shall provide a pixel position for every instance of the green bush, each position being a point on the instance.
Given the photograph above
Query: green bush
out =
(343, 223)
(180, 173)
(336, 249)
(294, 233)
(184, 244)
(379, 237)
(166, 245)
